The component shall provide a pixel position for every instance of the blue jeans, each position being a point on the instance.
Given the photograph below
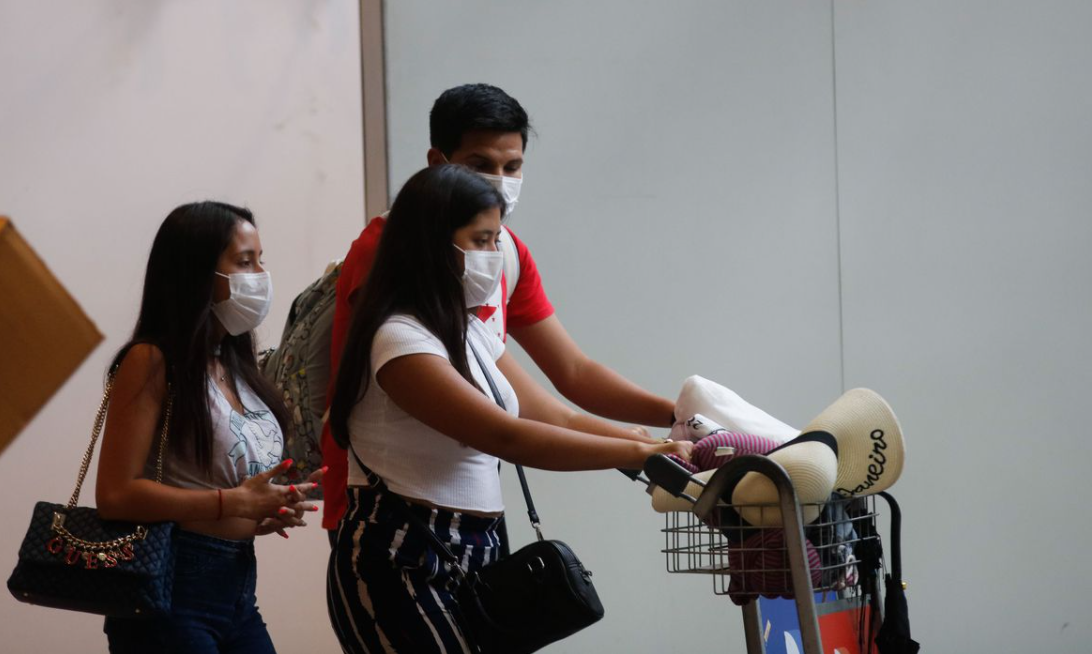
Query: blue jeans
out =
(213, 607)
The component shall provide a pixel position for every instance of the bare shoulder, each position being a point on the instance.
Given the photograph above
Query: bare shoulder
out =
(143, 370)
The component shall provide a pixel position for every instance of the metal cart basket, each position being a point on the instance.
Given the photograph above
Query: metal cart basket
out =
(827, 557)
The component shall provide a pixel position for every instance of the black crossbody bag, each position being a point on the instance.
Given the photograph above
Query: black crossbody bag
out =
(537, 595)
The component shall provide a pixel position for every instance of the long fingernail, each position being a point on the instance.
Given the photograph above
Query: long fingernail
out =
(282, 511)
(324, 469)
(287, 463)
(284, 534)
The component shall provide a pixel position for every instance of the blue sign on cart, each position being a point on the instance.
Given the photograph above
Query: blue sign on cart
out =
(839, 629)
(780, 625)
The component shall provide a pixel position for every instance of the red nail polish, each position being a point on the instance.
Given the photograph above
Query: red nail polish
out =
(324, 469)
(292, 488)
(283, 534)
(314, 508)
(287, 463)
(282, 511)
(318, 483)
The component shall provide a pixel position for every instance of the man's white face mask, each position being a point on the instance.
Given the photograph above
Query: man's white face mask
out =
(508, 187)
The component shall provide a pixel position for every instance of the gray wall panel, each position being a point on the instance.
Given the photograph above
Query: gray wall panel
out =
(965, 142)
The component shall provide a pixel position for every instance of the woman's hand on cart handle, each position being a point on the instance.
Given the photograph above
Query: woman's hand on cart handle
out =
(681, 449)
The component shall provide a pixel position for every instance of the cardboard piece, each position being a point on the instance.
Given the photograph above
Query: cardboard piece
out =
(44, 335)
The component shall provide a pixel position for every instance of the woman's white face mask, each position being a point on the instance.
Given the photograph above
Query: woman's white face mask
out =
(481, 275)
(248, 303)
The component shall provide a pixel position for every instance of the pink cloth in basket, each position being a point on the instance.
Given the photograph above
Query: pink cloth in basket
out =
(704, 456)
(760, 566)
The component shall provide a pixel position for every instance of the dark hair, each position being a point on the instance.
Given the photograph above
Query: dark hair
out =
(473, 107)
(176, 317)
(416, 272)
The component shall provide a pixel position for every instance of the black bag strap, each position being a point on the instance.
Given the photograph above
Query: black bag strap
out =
(896, 536)
(531, 513)
(100, 419)
(140, 531)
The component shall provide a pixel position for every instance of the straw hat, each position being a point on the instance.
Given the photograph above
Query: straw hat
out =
(663, 501)
(811, 461)
(870, 444)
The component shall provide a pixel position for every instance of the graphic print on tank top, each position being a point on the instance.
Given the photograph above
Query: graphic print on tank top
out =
(260, 444)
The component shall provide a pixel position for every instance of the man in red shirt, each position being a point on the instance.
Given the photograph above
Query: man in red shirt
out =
(485, 129)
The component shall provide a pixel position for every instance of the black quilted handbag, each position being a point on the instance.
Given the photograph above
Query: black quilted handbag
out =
(73, 559)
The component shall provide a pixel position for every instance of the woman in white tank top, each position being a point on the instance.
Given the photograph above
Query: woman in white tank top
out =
(204, 291)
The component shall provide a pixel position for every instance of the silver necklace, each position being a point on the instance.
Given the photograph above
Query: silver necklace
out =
(216, 353)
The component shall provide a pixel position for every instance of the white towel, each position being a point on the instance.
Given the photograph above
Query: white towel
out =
(694, 429)
(726, 408)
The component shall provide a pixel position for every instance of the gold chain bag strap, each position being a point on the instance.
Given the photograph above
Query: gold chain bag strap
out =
(73, 559)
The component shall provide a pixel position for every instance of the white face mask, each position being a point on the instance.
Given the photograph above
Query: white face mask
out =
(248, 304)
(481, 275)
(508, 187)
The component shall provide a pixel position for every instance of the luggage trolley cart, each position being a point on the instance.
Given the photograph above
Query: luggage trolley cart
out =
(836, 556)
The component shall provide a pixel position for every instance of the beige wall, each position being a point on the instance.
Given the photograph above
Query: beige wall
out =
(111, 114)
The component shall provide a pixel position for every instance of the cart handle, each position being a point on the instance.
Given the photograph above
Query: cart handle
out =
(669, 475)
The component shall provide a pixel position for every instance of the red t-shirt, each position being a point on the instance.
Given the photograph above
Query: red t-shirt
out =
(528, 306)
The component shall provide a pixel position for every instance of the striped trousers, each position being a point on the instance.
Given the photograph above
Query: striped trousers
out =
(387, 590)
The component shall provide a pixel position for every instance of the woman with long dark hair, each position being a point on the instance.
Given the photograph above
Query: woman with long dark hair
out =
(192, 350)
(412, 402)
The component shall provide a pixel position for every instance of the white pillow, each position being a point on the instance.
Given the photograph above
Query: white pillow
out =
(724, 407)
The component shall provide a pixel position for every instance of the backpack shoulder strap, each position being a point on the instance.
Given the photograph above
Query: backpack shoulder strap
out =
(511, 261)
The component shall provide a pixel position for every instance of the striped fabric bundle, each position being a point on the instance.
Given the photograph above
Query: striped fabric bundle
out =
(705, 455)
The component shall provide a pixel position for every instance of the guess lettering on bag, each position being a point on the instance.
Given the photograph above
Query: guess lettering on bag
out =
(108, 553)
